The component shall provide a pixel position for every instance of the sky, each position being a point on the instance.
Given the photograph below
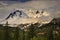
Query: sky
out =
(51, 6)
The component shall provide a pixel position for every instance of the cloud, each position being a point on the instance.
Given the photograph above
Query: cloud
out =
(54, 11)
(5, 10)
(34, 4)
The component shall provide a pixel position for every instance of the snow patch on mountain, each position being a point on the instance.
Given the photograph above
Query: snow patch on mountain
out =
(27, 16)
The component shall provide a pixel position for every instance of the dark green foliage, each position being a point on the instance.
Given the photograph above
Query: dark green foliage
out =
(6, 30)
(31, 31)
(23, 35)
(17, 33)
(50, 34)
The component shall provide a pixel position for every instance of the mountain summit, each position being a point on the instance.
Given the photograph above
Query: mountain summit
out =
(17, 13)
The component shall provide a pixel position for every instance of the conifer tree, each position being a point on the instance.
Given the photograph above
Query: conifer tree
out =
(17, 33)
(23, 34)
(6, 31)
(50, 34)
(31, 31)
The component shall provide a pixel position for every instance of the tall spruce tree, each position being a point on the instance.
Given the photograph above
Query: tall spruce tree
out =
(6, 28)
(31, 32)
(50, 33)
(17, 33)
(23, 34)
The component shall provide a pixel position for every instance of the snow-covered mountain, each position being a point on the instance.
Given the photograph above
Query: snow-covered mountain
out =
(17, 14)
(26, 16)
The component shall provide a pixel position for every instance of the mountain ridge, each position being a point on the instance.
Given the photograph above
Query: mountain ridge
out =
(26, 17)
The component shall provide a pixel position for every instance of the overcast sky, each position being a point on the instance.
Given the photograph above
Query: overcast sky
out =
(51, 6)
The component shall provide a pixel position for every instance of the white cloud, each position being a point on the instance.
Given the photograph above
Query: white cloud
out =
(4, 11)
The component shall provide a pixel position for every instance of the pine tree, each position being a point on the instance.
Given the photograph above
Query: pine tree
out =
(50, 34)
(17, 33)
(6, 31)
(31, 31)
(23, 34)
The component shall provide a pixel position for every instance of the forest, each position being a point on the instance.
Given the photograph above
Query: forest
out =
(50, 31)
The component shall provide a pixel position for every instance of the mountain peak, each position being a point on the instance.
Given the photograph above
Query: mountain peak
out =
(16, 13)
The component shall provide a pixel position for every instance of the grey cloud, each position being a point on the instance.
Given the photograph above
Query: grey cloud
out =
(50, 6)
